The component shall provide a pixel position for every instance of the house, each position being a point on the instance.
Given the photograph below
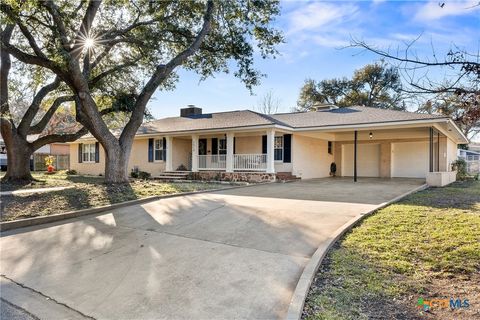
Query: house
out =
(247, 145)
(37, 161)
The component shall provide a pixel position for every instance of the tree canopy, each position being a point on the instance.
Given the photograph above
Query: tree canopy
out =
(93, 46)
(375, 85)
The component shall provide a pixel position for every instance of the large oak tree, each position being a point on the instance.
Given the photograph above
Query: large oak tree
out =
(87, 42)
(374, 85)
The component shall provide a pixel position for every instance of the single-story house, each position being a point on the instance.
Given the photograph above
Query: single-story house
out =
(247, 145)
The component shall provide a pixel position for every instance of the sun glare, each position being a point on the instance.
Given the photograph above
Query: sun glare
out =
(89, 43)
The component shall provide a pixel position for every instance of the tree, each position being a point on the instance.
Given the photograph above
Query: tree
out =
(268, 104)
(93, 41)
(461, 108)
(34, 102)
(454, 89)
(375, 85)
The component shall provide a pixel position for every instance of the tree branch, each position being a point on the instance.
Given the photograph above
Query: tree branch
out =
(5, 69)
(52, 138)
(32, 110)
(162, 72)
(40, 125)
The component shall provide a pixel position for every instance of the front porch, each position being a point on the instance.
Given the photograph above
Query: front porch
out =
(229, 152)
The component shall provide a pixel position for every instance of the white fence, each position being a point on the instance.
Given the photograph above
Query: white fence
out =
(212, 162)
(250, 162)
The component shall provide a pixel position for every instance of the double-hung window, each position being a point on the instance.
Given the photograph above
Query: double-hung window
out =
(222, 146)
(158, 150)
(88, 152)
(278, 146)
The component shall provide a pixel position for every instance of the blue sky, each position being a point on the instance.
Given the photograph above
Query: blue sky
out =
(315, 32)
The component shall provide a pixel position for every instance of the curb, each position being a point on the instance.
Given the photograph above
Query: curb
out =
(297, 302)
(22, 223)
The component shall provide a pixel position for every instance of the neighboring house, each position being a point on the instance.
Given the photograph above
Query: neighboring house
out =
(468, 154)
(247, 145)
(57, 149)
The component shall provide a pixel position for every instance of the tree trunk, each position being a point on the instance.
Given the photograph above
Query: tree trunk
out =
(19, 152)
(116, 164)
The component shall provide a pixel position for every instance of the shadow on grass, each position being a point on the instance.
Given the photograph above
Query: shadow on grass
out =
(85, 179)
(460, 195)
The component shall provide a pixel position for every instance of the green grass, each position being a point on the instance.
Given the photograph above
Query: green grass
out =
(87, 192)
(404, 251)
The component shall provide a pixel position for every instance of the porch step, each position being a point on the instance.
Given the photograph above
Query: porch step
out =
(172, 175)
(286, 176)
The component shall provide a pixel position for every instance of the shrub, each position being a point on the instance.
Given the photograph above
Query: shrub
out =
(181, 168)
(71, 172)
(460, 165)
(144, 175)
(134, 174)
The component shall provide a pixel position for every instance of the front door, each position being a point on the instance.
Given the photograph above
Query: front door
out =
(202, 147)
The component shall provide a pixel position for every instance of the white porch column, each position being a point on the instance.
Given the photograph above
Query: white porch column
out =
(169, 160)
(195, 153)
(270, 151)
(229, 158)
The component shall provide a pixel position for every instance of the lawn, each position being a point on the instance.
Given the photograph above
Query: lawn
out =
(426, 246)
(87, 192)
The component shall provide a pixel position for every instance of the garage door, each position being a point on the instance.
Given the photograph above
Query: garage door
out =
(410, 159)
(368, 160)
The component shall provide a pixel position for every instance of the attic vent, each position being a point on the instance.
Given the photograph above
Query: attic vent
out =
(323, 106)
(190, 111)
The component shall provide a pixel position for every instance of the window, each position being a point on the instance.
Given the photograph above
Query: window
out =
(158, 150)
(278, 146)
(88, 152)
(330, 147)
(222, 146)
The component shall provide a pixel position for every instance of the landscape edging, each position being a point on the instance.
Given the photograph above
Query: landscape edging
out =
(302, 288)
(28, 222)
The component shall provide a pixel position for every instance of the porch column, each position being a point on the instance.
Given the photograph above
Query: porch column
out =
(195, 153)
(355, 156)
(270, 151)
(229, 158)
(169, 160)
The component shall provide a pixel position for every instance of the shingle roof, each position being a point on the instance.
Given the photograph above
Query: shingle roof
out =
(220, 120)
(248, 118)
(348, 116)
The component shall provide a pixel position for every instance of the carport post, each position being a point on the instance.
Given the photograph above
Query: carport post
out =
(355, 157)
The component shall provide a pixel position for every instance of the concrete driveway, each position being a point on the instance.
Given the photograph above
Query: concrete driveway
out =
(231, 254)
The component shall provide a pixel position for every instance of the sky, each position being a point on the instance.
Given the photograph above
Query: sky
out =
(316, 34)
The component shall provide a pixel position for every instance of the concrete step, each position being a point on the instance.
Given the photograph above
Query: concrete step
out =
(286, 176)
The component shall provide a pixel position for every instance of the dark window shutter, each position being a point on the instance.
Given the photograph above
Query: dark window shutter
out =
(234, 145)
(80, 155)
(97, 152)
(150, 150)
(214, 145)
(164, 153)
(264, 144)
(287, 148)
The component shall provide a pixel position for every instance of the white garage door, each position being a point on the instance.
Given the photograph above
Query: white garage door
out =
(368, 160)
(410, 159)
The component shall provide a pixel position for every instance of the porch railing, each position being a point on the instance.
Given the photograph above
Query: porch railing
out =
(251, 162)
(212, 162)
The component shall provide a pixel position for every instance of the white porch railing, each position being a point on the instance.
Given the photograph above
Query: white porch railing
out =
(250, 162)
(212, 162)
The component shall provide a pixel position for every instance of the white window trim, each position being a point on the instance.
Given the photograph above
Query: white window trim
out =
(219, 144)
(283, 150)
(89, 153)
(155, 149)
